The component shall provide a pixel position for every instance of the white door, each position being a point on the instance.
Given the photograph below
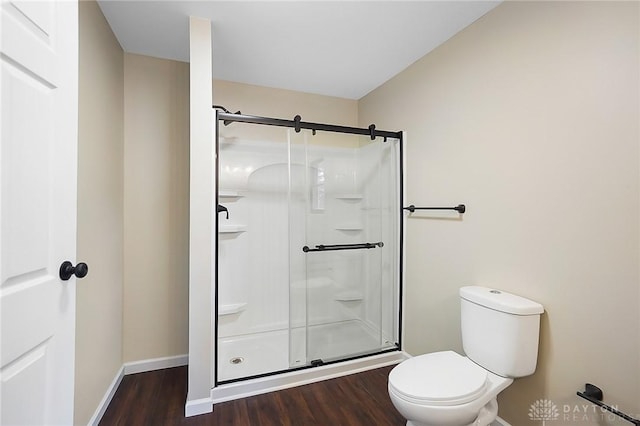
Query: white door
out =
(38, 163)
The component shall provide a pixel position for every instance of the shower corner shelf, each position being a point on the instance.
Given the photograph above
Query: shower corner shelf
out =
(349, 227)
(349, 296)
(349, 196)
(231, 308)
(231, 229)
(224, 193)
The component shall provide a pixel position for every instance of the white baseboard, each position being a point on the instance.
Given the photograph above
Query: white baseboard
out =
(133, 368)
(106, 399)
(155, 364)
(198, 406)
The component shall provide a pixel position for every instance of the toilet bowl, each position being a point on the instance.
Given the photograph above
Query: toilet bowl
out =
(445, 389)
(500, 335)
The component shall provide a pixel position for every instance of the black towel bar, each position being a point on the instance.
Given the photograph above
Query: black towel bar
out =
(594, 395)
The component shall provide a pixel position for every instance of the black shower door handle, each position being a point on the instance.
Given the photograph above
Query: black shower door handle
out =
(330, 247)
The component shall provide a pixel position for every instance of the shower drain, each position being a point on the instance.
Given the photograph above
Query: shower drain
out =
(236, 360)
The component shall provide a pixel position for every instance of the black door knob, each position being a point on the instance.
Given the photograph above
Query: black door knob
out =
(67, 270)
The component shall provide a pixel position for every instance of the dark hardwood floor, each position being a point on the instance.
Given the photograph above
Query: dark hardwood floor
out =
(158, 397)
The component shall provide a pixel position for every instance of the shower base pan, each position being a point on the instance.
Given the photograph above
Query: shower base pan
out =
(260, 385)
(279, 350)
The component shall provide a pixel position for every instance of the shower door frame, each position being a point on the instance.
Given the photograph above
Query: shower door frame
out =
(298, 125)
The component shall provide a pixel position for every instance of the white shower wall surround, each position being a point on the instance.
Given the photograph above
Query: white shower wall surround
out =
(281, 308)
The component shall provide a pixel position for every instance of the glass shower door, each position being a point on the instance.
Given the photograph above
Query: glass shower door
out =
(343, 236)
(280, 306)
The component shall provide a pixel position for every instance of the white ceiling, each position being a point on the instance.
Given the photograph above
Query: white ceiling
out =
(336, 48)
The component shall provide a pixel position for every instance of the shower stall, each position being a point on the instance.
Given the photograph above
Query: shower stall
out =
(309, 245)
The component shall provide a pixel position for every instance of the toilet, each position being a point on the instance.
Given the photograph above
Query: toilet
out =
(500, 338)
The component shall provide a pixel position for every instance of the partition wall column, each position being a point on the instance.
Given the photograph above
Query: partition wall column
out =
(202, 226)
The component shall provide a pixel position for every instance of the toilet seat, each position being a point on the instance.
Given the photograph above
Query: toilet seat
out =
(439, 378)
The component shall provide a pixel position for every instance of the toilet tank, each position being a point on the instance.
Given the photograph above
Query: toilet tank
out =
(500, 331)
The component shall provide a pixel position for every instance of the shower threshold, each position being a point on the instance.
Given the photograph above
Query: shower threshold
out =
(270, 383)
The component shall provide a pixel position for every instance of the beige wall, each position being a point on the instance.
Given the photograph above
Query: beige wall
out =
(530, 116)
(100, 202)
(156, 207)
(285, 104)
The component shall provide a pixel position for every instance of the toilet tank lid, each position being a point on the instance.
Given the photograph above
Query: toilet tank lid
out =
(501, 300)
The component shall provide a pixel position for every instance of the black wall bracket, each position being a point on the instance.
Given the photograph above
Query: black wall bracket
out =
(594, 395)
(222, 108)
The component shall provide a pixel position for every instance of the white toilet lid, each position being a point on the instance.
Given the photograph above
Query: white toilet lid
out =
(439, 378)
